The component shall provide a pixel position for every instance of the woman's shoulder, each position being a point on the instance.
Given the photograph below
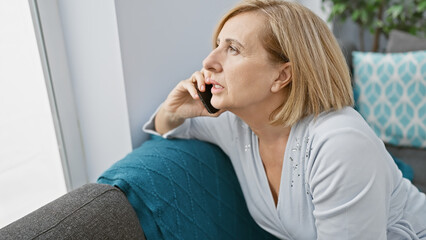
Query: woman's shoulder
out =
(345, 150)
(344, 127)
(346, 119)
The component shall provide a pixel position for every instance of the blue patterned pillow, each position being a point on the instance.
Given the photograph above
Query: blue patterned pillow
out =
(390, 93)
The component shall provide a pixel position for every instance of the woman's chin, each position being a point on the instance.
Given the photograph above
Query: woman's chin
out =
(216, 106)
(214, 101)
(219, 102)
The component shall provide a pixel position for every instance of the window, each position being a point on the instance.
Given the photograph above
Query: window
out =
(30, 165)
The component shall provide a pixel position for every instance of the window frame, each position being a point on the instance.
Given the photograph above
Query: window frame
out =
(51, 45)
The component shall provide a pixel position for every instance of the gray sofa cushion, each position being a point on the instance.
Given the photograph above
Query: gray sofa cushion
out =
(94, 211)
(404, 42)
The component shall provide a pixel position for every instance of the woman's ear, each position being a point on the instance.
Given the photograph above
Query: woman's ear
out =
(284, 77)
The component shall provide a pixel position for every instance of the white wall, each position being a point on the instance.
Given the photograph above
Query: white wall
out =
(162, 42)
(92, 46)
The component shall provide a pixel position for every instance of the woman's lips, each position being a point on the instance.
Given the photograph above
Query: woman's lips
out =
(217, 88)
(215, 84)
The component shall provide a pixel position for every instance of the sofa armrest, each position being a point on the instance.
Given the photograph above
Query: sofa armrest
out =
(93, 211)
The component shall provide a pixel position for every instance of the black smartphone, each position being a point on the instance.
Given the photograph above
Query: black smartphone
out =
(205, 97)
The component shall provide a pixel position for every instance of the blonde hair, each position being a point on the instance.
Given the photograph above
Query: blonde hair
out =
(320, 76)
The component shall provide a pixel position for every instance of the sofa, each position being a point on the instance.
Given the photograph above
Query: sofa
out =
(171, 189)
(165, 189)
(93, 211)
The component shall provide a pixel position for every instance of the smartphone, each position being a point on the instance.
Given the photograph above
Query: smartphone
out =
(205, 97)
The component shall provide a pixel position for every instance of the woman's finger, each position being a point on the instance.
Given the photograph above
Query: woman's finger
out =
(190, 86)
(198, 77)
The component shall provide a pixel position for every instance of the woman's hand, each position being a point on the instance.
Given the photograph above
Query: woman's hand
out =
(182, 102)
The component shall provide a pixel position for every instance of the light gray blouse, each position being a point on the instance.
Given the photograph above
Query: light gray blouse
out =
(337, 182)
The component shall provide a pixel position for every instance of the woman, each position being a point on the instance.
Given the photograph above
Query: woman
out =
(308, 164)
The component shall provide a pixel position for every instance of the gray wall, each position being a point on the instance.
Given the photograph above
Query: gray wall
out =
(162, 42)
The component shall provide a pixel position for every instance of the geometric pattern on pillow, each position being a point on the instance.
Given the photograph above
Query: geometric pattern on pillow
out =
(390, 93)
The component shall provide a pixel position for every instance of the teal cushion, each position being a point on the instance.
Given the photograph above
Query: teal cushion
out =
(390, 93)
(184, 189)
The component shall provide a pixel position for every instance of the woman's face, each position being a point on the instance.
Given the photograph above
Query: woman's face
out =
(239, 68)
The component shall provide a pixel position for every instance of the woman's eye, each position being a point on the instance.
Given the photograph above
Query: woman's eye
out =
(233, 50)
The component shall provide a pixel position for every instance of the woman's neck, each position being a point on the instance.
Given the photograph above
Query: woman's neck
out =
(259, 122)
(258, 118)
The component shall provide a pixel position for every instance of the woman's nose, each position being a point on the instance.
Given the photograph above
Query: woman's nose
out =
(212, 63)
